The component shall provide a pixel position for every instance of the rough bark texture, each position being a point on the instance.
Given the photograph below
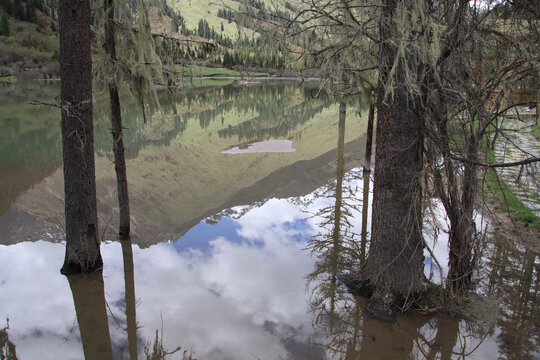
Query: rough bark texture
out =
(394, 267)
(463, 235)
(82, 244)
(116, 126)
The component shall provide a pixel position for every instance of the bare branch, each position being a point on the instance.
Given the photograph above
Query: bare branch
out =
(497, 165)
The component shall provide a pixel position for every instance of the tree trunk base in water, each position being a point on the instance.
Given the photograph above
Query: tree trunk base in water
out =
(384, 305)
(72, 268)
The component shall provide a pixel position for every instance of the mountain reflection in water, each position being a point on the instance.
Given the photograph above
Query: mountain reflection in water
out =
(219, 264)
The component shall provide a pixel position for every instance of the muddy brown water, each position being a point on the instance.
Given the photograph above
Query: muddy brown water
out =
(217, 264)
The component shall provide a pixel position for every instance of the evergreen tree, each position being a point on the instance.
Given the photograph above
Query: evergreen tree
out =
(175, 24)
(227, 61)
(30, 12)
(4, 23)
(7, 6)
(18, 10)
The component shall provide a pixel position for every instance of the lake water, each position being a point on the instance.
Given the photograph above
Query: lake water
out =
(219, 262)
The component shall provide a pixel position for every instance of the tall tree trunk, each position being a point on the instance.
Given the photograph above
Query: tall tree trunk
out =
(461, 241)
(394, 267)
(462, 238)
(82, 243)
(369, 139)
(116, 125)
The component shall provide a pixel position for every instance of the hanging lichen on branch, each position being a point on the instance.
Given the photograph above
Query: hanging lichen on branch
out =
(137, 63)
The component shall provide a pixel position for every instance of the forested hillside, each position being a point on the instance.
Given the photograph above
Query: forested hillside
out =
(234, 34)
(28, 36)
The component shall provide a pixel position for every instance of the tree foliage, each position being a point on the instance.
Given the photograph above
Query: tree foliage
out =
(4, 23)
(457, 64)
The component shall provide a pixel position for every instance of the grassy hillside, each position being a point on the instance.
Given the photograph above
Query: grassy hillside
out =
(231, 40)
(194, 10)
(29, 46)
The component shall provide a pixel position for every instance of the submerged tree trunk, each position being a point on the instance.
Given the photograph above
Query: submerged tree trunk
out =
(82, 243)
(116, 126)
(394, 267)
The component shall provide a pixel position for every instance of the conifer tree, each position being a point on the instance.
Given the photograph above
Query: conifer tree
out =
(18, 10)
(4, 23)
(30, 12)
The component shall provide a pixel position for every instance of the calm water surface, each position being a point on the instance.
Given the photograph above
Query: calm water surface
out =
(232, 253)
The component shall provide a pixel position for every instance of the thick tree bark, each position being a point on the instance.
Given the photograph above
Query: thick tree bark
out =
(82, 243)
(116, 126)
(463, 230)
(394, 267)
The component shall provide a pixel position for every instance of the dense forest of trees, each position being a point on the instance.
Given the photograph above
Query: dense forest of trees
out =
(23, 10)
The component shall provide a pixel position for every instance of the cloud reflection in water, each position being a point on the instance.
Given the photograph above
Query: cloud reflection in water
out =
(241, 292)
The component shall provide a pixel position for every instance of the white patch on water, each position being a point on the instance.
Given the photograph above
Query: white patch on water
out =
(269, 146)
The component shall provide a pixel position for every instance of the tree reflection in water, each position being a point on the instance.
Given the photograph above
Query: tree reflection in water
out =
(513, 280)
(129, 281)
(91, 309)
(89, 299)
(347, 333)
(7, 348)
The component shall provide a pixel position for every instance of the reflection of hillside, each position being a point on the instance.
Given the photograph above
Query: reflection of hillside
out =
(295, 180)
(171, 191)
(30, 145)
(18, 178)
(273, 122)
(177, 174)
(259, 105)
(30, 141)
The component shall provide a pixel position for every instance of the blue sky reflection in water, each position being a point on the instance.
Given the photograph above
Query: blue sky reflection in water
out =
(234, 292)
(220, 262)
(219, 298)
